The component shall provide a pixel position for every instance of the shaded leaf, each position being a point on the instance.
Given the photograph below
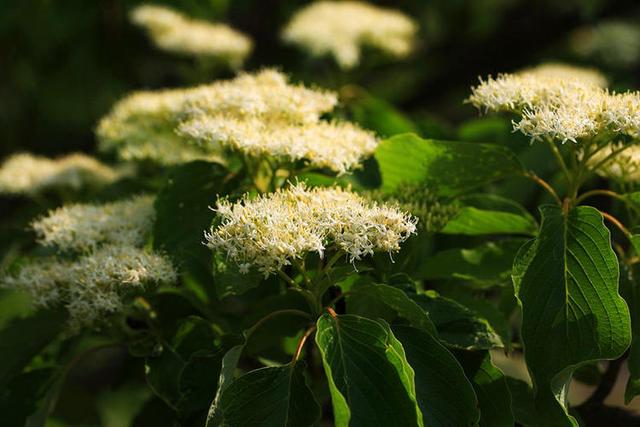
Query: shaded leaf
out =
(488, 264)
(490, 387)
(457, 325)
(370, 380)
(364, 300)
(273, 396)
(22, 338)
(444, 394)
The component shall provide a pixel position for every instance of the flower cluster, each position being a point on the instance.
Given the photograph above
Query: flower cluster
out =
(623, 166)
(84, 227)
(142, 127)
(560, 103)
(111, 263)
(264, 115)
(342, 28)
(175, 32)
(243, 113)
(613, 42)
(272, 230)
(432, 211)
(29, 174)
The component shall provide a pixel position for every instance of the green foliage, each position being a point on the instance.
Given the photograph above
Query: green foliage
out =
(567, 283)
(451, 167)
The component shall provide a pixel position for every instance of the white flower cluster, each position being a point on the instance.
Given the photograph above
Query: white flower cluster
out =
(560, 102)
(142, 125)
(84, 227)
(92, 286)
(342, 28)
(624, 166)
(110, 266)
(264, 115)
(177, 33)
(29, 174)
(271, 230)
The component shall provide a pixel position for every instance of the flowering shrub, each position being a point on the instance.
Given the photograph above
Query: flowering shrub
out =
(258, 250)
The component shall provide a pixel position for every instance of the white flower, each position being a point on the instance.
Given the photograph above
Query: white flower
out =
(29, 174)
(336, 146)
(93, 286)
(142, 125)
(342, 28)
(272, 230)
(175, 32)
(83, 227)
(560, 102)
(624, 166)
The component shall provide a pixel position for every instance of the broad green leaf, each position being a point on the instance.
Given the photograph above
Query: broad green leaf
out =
(370, 380)
(183, 214)
(457, 325)
(365, 300)
(450, 167)
(490, 387)
(269, 397)
(566, 281)
(444, 394)
(490, 214)
(488, 264)
(22, 338)
(496, 129)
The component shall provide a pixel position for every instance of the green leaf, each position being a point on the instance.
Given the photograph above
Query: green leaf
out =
(522, 405)
(566, 281)
(488, 264)
(269, 397)
(26, 395)
(489, 214)
(22, 338)
(183, 214)
(457, 325)
(490, 387)
(370, 380)
(227, 370)
(228, 280)
(444, 394)
(365, 300)
(450, 167)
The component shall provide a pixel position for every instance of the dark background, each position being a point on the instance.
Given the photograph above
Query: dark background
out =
(64, 63)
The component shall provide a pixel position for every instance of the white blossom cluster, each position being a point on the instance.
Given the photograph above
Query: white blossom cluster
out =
(272, 230)
(92, 286)
(342, 28)
(624, 166)
(29, 174)
(560, 102)
(264, 115)
(109, 265)
(142, 125)
(177, 33)
(84, 227)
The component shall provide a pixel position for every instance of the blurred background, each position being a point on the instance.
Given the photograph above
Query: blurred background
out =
(63, 64)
